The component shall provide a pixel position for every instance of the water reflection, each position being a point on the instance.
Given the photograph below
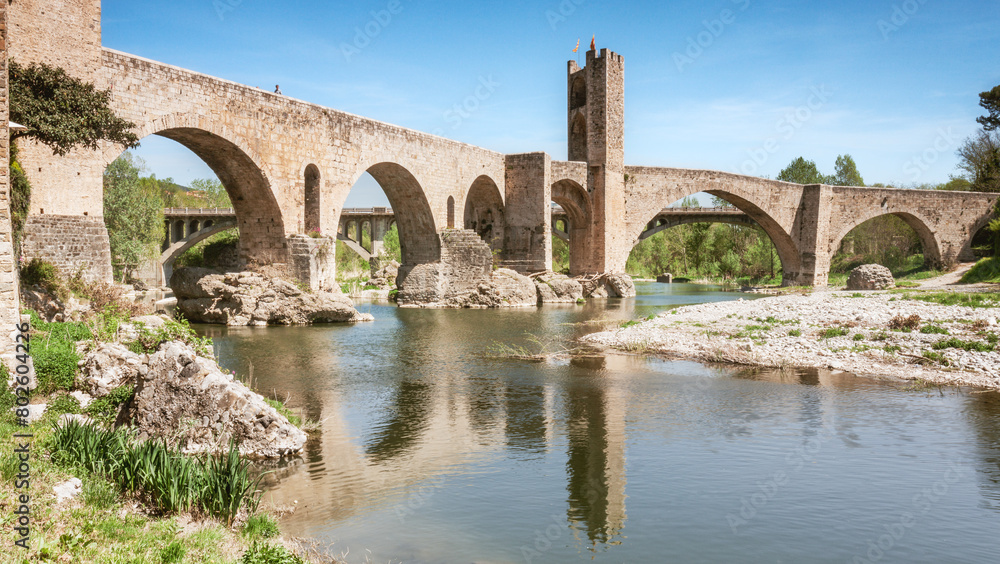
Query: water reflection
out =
(431, 451)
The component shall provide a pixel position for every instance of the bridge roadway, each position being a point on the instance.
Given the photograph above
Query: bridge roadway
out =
(288, 166)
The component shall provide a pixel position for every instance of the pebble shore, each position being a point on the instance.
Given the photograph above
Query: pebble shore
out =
(795, 330)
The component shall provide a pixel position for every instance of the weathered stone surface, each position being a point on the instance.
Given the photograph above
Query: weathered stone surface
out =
(619, 285)
(188, 398)
(466, 263)
(110, 366)
(49, 307)
(556, 288)
(248, 298)
(505, 288)
(870, 277)
(67, 490)
(383, 272)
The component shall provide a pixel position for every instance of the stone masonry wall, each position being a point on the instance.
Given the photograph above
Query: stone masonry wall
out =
(9, 301)
(70, 242)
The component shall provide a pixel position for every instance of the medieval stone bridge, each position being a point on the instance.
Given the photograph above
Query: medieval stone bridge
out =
(288, 166)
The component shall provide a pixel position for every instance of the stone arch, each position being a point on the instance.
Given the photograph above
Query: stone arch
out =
(311, 198)
(418, 238)
(241, 170)
(932, 248)
(194, 226)
(484, 211)
(451, 212)
(178, 248)
(576, 203)
(785, 246)
(178, 230)
(578, 138)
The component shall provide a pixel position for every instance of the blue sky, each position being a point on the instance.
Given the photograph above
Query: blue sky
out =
(734, 85)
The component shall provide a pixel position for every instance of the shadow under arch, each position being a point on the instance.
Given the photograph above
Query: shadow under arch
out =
(418, 240)
(932, 249)
(178, 248)
(576, 203)
(484, 211)
(242, 173)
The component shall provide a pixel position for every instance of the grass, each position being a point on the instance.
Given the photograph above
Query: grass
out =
(956, 343)
(795, 333)
(832, 332)
(968, 299)
(986, 270)
(936, 357)
(933, 330)
(103, 525)
(284, 410)
(159, 474)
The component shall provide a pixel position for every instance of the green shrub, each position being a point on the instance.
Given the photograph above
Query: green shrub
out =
(933, 330)
(104, 410)
(859, 337)
(260, 526)
(956, 343)
(61, 403)
(795, 333)
(38, 272)
(149, 340)
(269, 554)
(832, 332)
(936, 357)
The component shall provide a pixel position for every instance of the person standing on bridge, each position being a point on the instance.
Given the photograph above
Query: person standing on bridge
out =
(277, 89)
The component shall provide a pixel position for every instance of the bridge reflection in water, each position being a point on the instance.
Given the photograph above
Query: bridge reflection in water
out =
(432, 450)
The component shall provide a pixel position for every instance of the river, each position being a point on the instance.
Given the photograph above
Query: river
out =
(432, 449)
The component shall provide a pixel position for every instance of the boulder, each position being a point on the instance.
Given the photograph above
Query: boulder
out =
(109, 367)
(870, 277)
(505, 288)
(619, 285)
(556, 288)
(248, 298)
(612, 285)
(188, 399)
(383, 272)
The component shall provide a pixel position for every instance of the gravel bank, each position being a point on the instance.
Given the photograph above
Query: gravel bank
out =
(803, 330)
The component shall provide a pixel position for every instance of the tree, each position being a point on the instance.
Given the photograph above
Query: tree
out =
(846, 172)
(133, 214)
(991, 102)
(979, 158)
(213, 193)
(802, 171)
(63, 112)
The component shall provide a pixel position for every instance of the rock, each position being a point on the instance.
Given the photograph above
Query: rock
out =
(505, 288)
(870, 277)
(78, 417)
(383, 272)
(613, 285)
(35, 412)
(82, 397)
(556, 288)
(49, 307)
(187, 398)
(247, 298)
(67, 490)
(619, 285)
(109, 367)
(166, 305)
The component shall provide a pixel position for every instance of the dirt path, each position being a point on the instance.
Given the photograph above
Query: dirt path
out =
(950, 280)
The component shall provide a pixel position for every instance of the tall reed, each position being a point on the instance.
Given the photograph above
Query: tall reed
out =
(219, 485)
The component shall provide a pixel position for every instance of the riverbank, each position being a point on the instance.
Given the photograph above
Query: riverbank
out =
(910, 335)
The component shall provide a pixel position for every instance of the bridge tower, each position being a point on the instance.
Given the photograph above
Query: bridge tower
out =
(65, 224)
(596, 135)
